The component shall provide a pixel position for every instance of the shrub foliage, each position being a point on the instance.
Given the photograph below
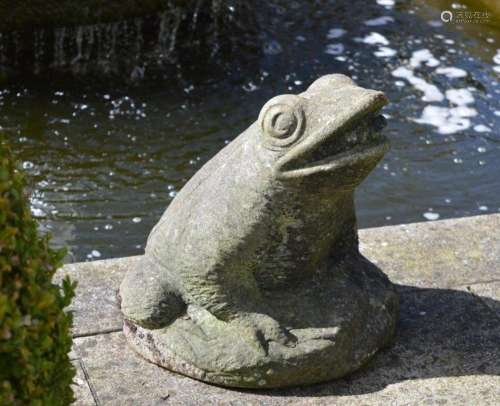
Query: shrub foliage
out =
(35, 339)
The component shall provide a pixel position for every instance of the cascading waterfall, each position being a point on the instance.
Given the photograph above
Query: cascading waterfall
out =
(130, 48)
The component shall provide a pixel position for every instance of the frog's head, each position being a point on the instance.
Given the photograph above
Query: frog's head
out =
(331, 130)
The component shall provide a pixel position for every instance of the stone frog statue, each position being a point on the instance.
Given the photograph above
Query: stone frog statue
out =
(253, 277)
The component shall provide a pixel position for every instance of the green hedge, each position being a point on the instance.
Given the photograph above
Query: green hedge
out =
(35, 338)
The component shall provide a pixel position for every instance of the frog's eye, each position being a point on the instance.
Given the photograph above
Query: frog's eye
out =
(282, 121)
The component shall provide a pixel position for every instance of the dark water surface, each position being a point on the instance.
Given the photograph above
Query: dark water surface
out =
(105, 160)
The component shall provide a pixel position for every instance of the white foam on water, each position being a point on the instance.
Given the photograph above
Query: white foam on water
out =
(481, 128)
(428, 215)
(375, 38)
(421, 56)
(250, 87)
(435, 23)
(335, 33)
(444, 119)
(383, 20)
(385, 52)
(36, 212)
(430, 91)
(451, 72)
(496, 58)
(386, 3)
(463, 111)
(460, 97)
(335, 49)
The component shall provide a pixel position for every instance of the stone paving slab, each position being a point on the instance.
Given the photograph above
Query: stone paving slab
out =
(438, 254)
(81, 386)
(447, 348)
(95, 306)
(489, 293)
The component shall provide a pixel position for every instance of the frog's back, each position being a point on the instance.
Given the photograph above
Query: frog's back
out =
(217, 210)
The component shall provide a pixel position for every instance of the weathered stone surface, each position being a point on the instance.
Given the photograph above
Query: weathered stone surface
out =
(95, 307)
(81, 387)
(489, 293)
(252, 278)
(441, 254)
(445, 352)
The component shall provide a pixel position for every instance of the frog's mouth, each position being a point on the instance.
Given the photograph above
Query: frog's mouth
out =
(351, 142)
(364, 141)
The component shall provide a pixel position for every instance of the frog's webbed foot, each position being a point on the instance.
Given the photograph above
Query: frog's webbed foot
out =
(261, 329)
(147, 299)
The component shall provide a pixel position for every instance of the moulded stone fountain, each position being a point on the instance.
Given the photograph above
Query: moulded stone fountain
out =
(253, 277)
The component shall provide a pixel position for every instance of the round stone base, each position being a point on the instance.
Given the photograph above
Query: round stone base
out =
(340, 318)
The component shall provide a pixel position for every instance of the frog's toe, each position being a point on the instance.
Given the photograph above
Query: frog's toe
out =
(146, 299)
(262, 329)
(279, 335)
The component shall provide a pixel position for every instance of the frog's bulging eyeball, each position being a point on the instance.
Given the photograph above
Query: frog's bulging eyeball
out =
(282, 121)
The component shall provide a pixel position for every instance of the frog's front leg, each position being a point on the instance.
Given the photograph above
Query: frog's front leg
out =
(242, 307)
(147, 298)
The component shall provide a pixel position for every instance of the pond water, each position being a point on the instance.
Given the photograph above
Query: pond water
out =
(106, 159)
